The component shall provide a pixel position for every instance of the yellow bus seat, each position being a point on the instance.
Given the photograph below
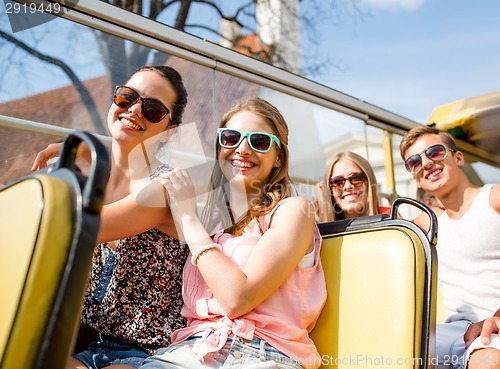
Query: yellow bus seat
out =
(48, 227)
(380, 309)
(440, 309)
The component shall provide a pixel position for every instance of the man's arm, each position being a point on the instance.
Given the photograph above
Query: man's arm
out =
(495, 198)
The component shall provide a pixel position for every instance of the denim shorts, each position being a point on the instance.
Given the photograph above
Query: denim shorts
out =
(236, 353)
(450, 345)
(110, 350)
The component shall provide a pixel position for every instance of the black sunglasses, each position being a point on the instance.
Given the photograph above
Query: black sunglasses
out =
(258, 141)
(152, 109)
(436, 153)
(356, 179)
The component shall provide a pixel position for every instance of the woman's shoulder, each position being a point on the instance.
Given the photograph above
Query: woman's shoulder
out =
(295, 205)
(297, 201)
(290, 215)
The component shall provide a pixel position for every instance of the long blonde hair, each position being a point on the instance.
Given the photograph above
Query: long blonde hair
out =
(329, 210)
(278, 185)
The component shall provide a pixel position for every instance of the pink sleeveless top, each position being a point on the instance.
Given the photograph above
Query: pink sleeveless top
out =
(284, 319)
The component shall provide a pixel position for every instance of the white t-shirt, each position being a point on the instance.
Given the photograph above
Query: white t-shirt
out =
(469, 261)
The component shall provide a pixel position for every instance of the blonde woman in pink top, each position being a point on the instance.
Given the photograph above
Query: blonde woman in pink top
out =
(253, 292)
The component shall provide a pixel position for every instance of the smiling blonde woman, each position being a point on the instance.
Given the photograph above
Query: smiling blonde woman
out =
(349, 190)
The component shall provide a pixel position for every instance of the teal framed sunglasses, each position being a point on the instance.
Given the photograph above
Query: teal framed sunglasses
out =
(230, 138)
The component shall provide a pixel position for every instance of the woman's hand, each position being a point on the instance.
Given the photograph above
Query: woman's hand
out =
(483, 329)
(41, 159)
(181, 193)
(182, 203)
(54, 150)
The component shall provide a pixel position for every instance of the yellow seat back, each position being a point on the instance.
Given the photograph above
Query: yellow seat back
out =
(379, 310)
(35, 234)
(440, 309)
(48, 228)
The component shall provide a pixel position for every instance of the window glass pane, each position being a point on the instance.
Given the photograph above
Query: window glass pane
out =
(376, 157)
(68, 87)
(317, 134)
(405, 184)
(62, 74)
(18, 149)
(487, 173)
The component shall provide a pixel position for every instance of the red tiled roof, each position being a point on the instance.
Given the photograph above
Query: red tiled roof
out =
(250, 45)
(56, 107)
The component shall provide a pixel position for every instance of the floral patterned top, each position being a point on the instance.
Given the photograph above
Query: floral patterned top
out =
(135, 291)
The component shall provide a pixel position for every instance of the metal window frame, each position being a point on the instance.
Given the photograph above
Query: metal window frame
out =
(136, 28)
(114, 20)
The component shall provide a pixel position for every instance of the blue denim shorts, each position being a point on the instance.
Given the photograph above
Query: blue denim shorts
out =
(450, 345)
(236, 353)
(110, 350)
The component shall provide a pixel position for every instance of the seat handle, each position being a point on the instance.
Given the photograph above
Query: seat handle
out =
(432, 233)
(95, 185)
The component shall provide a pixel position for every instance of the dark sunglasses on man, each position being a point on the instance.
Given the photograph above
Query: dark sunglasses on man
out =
(152, 109)
(436, 153)
(259, 141)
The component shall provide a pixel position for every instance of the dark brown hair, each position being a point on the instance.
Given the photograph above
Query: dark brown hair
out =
(175, 79)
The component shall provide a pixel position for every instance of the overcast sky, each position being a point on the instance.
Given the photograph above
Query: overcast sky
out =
(409, 56)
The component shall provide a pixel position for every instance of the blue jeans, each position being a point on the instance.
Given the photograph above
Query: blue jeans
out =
(236, 353)
(450, 345)
(109, 350)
